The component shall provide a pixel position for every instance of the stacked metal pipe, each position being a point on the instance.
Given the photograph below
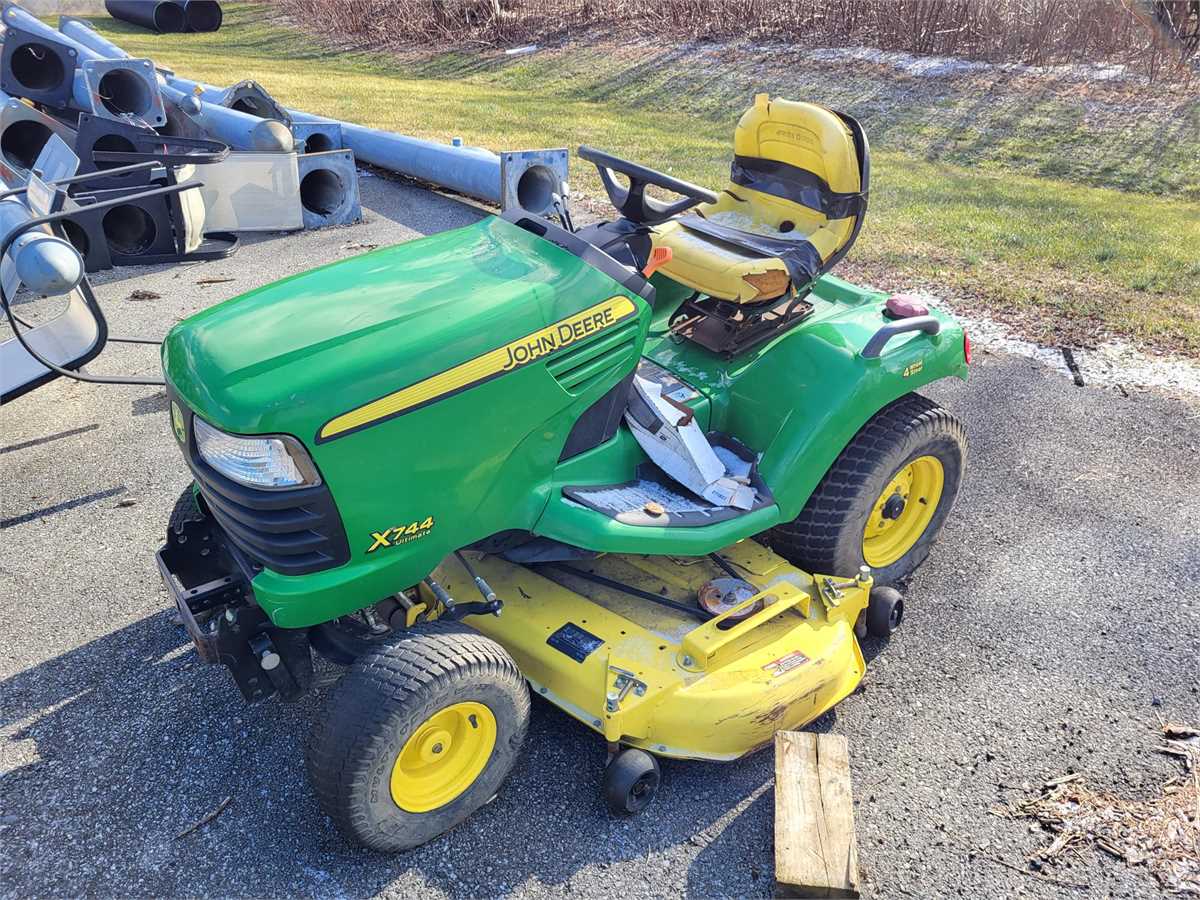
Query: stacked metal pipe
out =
(48, 265)
(170, 169)
(168, 16)
(529, 179)
(43, 263)
(286, 169)
(238, 129)
(113, 109)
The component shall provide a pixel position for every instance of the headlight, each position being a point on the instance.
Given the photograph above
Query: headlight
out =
(261, 462)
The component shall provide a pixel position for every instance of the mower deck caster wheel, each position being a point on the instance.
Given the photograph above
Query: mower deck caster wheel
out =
(885, 611)
(630, 781)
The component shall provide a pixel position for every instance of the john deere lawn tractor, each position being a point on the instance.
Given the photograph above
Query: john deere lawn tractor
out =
(657, 471)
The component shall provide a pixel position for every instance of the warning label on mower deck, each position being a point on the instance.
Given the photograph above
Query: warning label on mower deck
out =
(784, 664)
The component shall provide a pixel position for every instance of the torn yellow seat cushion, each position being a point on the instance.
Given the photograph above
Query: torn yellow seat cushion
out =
(721, 270)
(718, 269)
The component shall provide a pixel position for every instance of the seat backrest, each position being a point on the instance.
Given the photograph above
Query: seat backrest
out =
(803, 135)
(799, 163)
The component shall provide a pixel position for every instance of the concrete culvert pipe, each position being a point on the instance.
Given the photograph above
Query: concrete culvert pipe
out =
(37, 68)
(122, 92)
(165, 17)
(322, 192)
(112, 143)
(22, 141)
(536, 187)
(202, 15)
(129, 230)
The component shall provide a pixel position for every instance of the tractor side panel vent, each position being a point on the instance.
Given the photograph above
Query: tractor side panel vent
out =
(583, 366)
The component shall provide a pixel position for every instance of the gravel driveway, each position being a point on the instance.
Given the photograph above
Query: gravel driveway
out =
(1054, 624)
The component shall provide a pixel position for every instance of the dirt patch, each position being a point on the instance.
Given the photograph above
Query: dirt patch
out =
(1161, 833)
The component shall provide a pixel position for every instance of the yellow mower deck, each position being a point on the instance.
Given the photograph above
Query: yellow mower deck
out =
(648, 676)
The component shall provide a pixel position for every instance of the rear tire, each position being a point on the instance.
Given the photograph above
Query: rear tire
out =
(434, 720)
(911, 435)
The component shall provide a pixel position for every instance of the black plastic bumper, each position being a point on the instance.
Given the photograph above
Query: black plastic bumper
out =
(209, 581)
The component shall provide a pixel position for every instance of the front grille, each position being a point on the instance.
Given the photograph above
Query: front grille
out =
(292, 532)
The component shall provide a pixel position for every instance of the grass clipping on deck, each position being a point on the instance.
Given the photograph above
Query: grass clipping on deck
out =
(1162, 833)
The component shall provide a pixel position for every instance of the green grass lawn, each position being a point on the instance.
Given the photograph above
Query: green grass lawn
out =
(963, 209)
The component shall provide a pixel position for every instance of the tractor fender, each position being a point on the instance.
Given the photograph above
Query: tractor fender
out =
(803, 401)
(852, 389)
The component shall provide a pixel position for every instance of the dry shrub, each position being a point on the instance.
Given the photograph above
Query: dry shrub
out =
(1148, 35)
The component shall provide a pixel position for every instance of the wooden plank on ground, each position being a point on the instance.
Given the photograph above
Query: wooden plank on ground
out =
(816, 854)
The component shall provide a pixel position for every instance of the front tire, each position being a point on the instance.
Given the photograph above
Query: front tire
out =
(885, 498)
(418, 735)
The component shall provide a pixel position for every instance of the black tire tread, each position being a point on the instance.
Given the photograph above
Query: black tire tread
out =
(879, 611)
(812, 539)
(625, 769)
(379, 687)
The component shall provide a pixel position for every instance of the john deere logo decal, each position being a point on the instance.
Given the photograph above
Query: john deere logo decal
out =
(557, 336)
(500, 361)
(177, 423)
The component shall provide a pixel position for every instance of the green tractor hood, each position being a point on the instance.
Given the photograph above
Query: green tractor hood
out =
(289, 356)
(449, 390)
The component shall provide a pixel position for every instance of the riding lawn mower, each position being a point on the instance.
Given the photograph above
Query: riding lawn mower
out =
(662, 471)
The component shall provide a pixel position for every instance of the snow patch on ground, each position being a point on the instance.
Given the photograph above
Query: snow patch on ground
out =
(1115, 363)
(941, 66)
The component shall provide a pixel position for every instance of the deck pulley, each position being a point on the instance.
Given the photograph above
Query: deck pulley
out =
(721, 595)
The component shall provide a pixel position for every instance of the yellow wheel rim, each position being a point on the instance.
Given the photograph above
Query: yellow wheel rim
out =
(903, 511)
(443, 757)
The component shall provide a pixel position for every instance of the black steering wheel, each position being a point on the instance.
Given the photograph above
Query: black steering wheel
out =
(632, 202)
